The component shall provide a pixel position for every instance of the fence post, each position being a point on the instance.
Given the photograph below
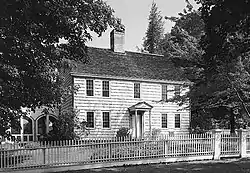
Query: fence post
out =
(217, 143)
(243, 142)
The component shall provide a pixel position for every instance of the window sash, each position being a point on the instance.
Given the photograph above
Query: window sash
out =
(106, 120)
(105, 88)
(164, 93)
(164, 121)
(177, 121)
(177, 90)
(90, 87)
(136, 90)
(90, 120)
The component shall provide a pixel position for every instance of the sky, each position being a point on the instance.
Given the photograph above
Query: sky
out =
(134, 15)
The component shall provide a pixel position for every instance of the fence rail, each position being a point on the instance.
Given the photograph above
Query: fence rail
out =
(75, 152)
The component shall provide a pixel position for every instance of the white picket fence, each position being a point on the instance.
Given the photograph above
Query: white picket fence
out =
(79, 152)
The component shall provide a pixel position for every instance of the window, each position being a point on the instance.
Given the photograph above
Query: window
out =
(164, 121)
(15, 129)
(136, 90)
(164, 92)
(177, 121)
(177, 90)
(27, 126)
(106, 120)
(105, 88)
(90, 120)
(90, 87)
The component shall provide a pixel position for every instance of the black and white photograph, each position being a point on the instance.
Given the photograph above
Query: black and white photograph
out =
(124, 86)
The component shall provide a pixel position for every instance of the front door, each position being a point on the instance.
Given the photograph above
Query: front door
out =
(137, 124)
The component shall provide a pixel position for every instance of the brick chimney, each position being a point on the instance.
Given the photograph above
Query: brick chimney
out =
(117, 40)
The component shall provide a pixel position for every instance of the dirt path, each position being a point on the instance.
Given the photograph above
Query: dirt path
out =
(223, 166)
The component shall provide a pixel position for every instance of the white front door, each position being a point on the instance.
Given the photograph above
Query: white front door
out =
(137, 125)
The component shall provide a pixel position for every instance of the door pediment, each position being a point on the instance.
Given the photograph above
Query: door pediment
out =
(140, 106)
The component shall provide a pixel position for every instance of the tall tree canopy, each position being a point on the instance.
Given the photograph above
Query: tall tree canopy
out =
(221, 72)
(226, 59)
(182, 43)
(30, 51)
(182, 46)
(155, 31)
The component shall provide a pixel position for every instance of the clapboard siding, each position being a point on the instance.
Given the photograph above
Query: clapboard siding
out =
(68, 79)
(121, 98)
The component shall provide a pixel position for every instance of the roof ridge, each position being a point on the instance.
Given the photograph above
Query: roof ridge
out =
(129, 51)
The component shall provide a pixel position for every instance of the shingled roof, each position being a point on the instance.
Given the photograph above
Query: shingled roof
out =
(105, 62)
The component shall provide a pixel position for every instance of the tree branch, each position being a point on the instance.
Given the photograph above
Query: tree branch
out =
(239, 97)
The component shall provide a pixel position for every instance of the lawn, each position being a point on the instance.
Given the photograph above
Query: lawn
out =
(222, 166)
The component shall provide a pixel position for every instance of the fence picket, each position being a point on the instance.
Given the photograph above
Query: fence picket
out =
(101, 150)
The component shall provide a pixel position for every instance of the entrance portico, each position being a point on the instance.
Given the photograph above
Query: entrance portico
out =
(137, 118)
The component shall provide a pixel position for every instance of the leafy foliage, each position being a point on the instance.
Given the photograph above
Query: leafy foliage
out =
(154, 32)
(122, 132)
(31, 52)
(67, 127)
(226, 58)
(222, 72)
(182, 46)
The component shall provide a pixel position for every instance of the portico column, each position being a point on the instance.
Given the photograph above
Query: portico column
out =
(149, 119)
(136, 124)
(21, 122)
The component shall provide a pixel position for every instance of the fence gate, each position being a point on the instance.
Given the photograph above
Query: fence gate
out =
(230, 145)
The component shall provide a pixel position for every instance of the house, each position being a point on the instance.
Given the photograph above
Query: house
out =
(118, 88)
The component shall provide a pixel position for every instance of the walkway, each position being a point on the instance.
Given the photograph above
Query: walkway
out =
(222, 166)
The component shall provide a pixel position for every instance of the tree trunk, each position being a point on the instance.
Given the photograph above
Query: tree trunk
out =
(232, 122)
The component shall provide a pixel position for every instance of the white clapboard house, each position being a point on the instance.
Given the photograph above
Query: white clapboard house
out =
(118, 88)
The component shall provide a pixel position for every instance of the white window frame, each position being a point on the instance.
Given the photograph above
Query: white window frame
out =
(109, 120)
(139, 90)
(162, 120)
(166, 93)
(93, 88)
(177, 90)
(106, 90)
(175, 120)
(93, 119)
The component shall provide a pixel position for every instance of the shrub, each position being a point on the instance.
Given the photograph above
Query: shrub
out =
(123, 132)
(155, 133)
(66, 127)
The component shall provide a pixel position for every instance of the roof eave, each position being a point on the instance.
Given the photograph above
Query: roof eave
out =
(77, 74)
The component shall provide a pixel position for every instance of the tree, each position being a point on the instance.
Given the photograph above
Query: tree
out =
(154, 32)
(67, 127)
(182, 46)
(31, 54)
(214, 55)
(225, 73)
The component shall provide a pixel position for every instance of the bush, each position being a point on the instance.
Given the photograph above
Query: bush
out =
(66, 127)
(123, 132)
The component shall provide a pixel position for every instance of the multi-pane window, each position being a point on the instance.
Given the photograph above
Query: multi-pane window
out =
(177, 121)
(164, 92)
(136, 90)
(106, 120)
(90, 120)
(105, 88)
(177, 90)
(164, 121)
(90, 87)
